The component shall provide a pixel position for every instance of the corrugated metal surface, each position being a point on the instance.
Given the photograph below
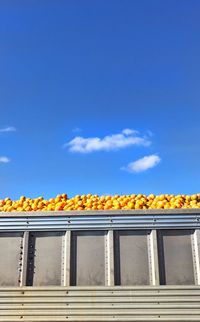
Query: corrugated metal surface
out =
(89, 220)
(100, 304)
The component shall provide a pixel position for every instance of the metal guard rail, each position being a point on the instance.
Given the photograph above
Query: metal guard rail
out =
(101, 220)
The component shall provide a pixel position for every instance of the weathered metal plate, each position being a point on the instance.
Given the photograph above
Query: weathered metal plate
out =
(10, 254)
(45, 258)
(175, 257)
(88, 258)
(131, 258)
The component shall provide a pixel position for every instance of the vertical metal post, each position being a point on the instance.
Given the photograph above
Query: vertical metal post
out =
(153, 258)
(67, 255)
(24, 258)
(109, 259)
(195, 238)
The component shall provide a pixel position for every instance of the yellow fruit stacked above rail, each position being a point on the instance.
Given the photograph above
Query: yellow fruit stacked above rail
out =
(95, 202)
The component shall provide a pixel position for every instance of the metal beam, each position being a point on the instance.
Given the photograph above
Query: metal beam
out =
(46, 222)
(67, 256)
(24, 258)
(153, 258)
(109, 258)
(196, 255)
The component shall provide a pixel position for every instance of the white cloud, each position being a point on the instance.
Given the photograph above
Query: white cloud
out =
(111, 142)
(143, 164)
(129, 132)
(4, 160)
(8, 129)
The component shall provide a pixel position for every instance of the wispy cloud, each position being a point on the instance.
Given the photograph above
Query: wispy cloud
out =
(129, 132)
(7, 129)
(143, 164)
(76, 130)
(4, 160)
(127, 137)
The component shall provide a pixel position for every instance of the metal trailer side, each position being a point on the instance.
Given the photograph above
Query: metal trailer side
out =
(100, 266)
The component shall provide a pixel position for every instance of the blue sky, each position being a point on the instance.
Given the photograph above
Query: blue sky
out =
(124, 72)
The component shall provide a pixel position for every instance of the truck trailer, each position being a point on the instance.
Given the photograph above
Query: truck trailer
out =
(115, 265)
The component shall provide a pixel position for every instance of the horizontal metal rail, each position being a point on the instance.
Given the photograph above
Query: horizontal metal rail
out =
(46, 221)
(166, 303)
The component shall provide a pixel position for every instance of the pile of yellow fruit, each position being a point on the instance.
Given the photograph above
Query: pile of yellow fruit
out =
(95, 202)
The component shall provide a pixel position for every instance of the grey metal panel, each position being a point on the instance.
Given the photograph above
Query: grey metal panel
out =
(44, 258)
(176, 262)
(11, 245)
(131, 258)
(88, 258)
(101, 220)
(100, 304)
